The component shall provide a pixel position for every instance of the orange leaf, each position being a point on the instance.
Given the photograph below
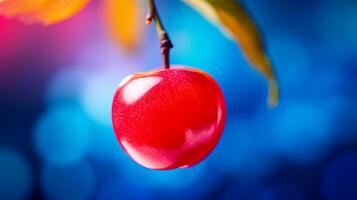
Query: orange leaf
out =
(41, 11)
(125, 21)
(232, 18)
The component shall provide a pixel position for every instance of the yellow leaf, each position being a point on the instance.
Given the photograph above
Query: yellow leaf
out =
(125, 21)
(232, 18)
(41, 11)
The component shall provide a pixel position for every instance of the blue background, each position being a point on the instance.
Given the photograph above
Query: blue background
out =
(57, 83)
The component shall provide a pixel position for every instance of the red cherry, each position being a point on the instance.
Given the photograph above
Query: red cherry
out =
(169, 118)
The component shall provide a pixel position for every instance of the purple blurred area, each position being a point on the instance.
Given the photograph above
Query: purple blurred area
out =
(57, 84)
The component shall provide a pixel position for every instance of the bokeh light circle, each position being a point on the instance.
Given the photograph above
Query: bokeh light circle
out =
(61, 135)
(244, 151)
(97, 95)
(302, 132)
(70, 182)
(15, 176)
(66, 85)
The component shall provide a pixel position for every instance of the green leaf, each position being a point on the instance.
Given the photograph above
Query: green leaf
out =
(233, 20)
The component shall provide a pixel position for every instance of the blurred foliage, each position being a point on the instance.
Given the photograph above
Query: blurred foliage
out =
(41, 11)
(125, 21)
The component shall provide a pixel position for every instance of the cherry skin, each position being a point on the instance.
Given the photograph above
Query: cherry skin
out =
(168, 118)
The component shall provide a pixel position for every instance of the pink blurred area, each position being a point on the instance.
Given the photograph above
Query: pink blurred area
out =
(60, 41)
(12, 37)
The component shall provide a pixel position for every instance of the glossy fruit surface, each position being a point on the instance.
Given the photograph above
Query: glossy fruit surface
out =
(169, 118)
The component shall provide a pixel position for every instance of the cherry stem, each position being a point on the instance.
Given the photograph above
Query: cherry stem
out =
(165, 42)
